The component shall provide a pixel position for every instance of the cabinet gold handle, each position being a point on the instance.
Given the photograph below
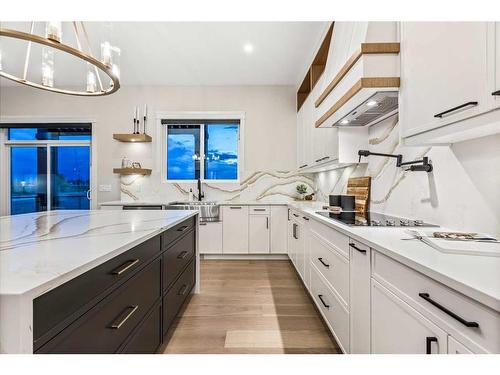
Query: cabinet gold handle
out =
(125, 267)
(124, 316)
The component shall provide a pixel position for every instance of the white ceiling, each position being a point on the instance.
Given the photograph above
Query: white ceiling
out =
(185, 53)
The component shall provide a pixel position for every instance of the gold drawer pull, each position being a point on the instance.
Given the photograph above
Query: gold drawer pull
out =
(124, 316)
(125, 266)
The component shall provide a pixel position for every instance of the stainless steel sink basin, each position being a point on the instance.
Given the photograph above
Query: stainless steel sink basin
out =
(209, 211)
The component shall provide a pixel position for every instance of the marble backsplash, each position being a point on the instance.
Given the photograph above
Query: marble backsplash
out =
(255, 186)
(452, 195)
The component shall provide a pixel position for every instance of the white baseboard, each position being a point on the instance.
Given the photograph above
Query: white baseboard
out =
(245, 256)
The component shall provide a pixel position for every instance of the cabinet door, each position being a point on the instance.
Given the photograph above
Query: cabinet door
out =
(359, 298)
(443, 66)
(210, 238)
(496, 89)
(397, 328)
(235, 230)
(279, 224)
(259, 234)
(456, 347)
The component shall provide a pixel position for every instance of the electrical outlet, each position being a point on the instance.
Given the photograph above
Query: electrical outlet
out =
(104, 187)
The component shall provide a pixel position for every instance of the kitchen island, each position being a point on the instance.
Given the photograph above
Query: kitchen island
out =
(94, 281)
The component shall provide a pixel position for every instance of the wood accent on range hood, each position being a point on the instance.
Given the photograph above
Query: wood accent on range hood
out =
(127, 171)
(132, 137)
(366, 49)
(372, 82)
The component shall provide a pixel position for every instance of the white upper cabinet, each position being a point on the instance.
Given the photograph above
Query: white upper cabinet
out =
(447, 77)
(496, 88)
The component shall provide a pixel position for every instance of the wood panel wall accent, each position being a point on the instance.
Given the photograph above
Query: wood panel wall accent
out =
(315, 70)
(371, 82)
(366, 49)
(360, 187)
(141, 171)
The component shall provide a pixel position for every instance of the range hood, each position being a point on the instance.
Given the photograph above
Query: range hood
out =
(365, 89)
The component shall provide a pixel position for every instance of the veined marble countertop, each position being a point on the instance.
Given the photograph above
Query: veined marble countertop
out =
(476, 276)
(222, 203)
(41, 251)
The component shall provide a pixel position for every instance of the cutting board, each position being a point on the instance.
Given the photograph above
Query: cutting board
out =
(360, 187)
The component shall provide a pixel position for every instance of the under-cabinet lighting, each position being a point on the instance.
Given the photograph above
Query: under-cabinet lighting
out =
(371, 103)
(344, 122)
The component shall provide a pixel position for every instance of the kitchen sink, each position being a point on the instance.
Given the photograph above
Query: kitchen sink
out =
(209, 211)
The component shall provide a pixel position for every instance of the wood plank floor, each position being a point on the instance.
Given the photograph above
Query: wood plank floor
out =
(250, 307)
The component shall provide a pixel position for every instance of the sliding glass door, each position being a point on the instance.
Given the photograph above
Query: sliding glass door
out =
(49, 169)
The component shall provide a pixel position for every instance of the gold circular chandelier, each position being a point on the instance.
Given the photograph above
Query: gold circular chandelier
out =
(52, 39)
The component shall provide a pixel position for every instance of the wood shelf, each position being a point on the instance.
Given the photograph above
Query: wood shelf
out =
(132, 137)
(128, 171)
(315, 70)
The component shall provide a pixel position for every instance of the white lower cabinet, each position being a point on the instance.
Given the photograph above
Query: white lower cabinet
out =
(359, 300)
(334, 311)
(235, 229)
(210, 238)
(279, 229)
(259, 234)
(397, 328)
(456, 347)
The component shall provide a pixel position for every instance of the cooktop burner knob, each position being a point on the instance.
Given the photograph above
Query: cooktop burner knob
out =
(404, 223)
(390, 223)
(375, 223)
(418, 222)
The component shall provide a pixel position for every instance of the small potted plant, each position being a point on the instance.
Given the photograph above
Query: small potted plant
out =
(301, 189)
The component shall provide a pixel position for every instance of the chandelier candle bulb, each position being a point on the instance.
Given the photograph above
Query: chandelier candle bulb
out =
(53, 31)
(47, 67)
(106, 53)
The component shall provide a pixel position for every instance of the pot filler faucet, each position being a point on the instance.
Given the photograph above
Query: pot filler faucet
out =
(425, 165)
(200, 193)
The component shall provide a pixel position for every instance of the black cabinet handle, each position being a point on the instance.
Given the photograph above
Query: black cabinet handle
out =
(295, 231)
(125, 267)
(183, 228)
(320, 296)
(123, 317)
(295, 215)
(303, 166)
(428, 298)
(323, 263)
(182, 254)
(288, 214)
(235, 207)
(357, 248)
(428, 344)
(203, 223)
(305, 218)
(321, 159)
(267, 223)
(182, 290)
(259, 209)
(448, 111)
(496, 93)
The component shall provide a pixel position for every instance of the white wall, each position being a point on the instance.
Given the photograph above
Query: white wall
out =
(270, 120)
(462, 192)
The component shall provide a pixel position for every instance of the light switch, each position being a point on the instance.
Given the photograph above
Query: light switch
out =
(104, 187)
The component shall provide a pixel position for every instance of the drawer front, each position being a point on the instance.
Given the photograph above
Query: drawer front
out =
(175, 297)
(333, 266)
(57, 308)
(104, 328)
(337, 240)
(147, 339)
(434, 299)
(176, 258)
(172, 234)
(331, 308)
(259, 210)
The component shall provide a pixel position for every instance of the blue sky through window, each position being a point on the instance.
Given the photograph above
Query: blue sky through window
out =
(221, 151)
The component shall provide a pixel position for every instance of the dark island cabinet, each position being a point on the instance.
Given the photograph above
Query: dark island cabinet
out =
(125, 305)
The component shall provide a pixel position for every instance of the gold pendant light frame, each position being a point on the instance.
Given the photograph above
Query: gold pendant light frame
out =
(87, 57)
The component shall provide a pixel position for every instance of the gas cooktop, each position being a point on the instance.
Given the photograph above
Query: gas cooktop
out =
(373, 219)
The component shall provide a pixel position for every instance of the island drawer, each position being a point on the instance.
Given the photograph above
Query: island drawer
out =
(177, 257)
(470, 321)
(148, 337)
(64, 304)
(106, 326)
(169, 236)
(175, 297)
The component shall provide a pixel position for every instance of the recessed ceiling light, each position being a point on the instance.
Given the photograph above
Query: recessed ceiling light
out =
(371, 103)
(344, 122)
(248, 48)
